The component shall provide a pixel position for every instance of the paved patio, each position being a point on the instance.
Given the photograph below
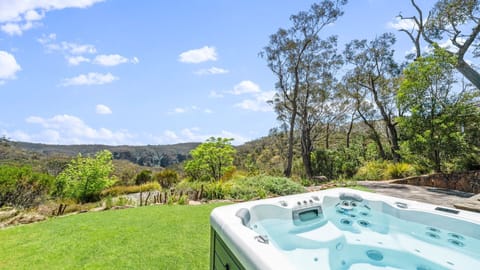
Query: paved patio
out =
(439, 196)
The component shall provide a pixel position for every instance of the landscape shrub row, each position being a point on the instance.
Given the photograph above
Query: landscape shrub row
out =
(384, 170)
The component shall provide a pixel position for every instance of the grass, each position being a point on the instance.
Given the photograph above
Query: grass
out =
(153, 237)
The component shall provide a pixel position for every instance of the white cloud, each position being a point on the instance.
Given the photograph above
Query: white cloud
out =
(178, 111)
(211, 71)
(193, 108)
(245, 87)
(110, 60)
(8, 67)
(74, 48)
(13, 29)
(195, 135)
(399, 24)
(68, 129)
(18, 16)
(214, 94)
(448, 44)
(135, 60)
(91, 78)
(102, 109)
(47, 38)
(76, 60)
(258, 103)
(198, 55)
(33, 15)
(68, 48)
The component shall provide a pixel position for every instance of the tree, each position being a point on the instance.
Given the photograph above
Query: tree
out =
(374, 82)
(288, 53)
(316, 95)
(458, 21)
(85, 177)
(211, 160)
(434, 127)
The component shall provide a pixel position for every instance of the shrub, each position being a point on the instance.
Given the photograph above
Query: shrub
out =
(183, 200)
(121, 190)
(380, 170)
(216, 190)
(21, 187)
(399, 170)
(143, 177)
(167, 178)
(263, 186)
(372, 170)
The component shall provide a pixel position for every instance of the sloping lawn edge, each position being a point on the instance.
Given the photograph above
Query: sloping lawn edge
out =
(152, 237)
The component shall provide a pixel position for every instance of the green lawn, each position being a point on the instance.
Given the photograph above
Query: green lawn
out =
(153, 237)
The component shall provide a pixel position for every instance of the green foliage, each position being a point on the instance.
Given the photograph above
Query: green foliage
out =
(121, 190)
(84, 178)
(399, 170)
(372, 170)
(335, 163)
(183, 200)
(262, 186)
(143, 177)
(167, 178)
(211, 160)
(437, 124)
(22, 187)
(153, 237)
(383, 170)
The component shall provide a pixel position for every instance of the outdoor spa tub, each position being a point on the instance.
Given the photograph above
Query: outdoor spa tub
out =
(343, 229)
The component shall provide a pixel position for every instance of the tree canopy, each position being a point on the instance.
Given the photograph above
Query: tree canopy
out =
(85, 177)
(211, 160)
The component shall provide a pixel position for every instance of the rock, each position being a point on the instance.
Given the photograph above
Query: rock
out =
(9, 213)
(26, 218)
(194, 203)
(471, 205)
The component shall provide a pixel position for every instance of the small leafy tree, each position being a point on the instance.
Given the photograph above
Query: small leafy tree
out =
(85, 177)
(211, 160)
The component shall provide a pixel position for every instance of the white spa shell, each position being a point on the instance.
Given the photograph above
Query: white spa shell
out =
(244, 244)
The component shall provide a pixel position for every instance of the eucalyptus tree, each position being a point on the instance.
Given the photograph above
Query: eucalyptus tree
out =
(287, 54)
(361, 106)
(373, 80)
(316, 95)
(454, 21)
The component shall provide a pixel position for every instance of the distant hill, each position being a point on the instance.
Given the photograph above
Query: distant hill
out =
(148, 155)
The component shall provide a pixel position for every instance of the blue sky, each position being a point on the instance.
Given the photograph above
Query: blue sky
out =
(152, 72)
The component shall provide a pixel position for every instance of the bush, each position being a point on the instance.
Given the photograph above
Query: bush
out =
(216, 190)
(399, 170)
(167, 178)
(21, 187)
(372, 170)
(121, 190)
(143, 177)
(263, 186)
(382, 170)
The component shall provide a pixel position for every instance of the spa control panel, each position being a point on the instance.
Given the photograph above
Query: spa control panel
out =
(304, 210)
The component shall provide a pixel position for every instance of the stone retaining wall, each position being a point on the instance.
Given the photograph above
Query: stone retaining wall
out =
(465, 181)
